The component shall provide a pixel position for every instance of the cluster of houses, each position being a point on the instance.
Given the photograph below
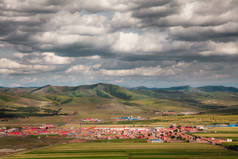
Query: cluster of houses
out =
(180, 134)
(46, 129)
(125, 118)
(175, 113)
(116, 133)
(223, 125)
(91, 120)
(158, 134)
(130, 118)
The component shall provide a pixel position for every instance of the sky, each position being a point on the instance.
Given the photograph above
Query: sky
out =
(153, 43)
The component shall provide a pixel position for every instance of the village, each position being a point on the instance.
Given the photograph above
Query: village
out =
(171, 134)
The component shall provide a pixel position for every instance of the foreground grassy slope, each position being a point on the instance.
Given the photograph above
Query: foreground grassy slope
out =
(130, 150)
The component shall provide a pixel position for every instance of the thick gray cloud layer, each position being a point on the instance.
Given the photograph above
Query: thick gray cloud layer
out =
(152, 42)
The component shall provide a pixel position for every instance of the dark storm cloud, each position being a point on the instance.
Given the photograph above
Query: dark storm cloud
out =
(34, 16)
(151, 3)
(150, 14)
(184, 56)
(30, 7)
(229, 33)
(82, 51)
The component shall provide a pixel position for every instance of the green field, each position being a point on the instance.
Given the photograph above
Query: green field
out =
(129, 151)
(231, 145)
(14, 143)
(218, 135)
(187, 120)
(220, 132)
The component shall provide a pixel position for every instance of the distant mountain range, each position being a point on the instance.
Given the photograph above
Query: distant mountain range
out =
(107, 90)
(95, 90)
(107, 99)
(189, 88)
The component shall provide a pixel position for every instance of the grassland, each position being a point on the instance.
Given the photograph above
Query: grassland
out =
(129, 151)
(231, 145)
(155, 120)
(13, 143)
(205, 119)
(224, 132)
(186, 120)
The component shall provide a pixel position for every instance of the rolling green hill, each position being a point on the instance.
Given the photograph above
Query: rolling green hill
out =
(107, 100)
(207, 99)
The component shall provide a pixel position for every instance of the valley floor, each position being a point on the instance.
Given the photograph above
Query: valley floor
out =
(29, 146)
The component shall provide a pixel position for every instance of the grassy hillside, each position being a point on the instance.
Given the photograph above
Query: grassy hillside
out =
(84, 101)
(212, 99)
(106, 101)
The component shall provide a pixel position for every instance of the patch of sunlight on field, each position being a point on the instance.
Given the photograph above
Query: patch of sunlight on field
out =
(129, 150)
(195, 119)
(224, 129)
(220, 132)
